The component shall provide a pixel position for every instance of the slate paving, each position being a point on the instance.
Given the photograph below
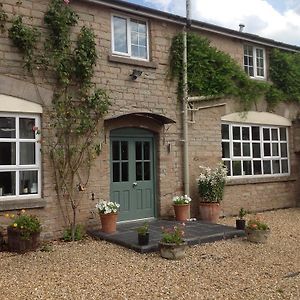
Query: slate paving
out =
(196, 232)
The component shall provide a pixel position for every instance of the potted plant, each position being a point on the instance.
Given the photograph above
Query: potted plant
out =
(211, 183)
(241, 222)
(257, 231)
(23, 233)
(172, 245)
(143, 234)
(108, 212)
(181, 206)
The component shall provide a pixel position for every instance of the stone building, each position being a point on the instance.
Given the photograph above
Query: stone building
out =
(141, 162)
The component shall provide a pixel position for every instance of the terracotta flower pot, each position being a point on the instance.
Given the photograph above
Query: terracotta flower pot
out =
(209, 211)
(257, 236)
(182, 212)
(172, 251)
(17, 243)
(109, 222)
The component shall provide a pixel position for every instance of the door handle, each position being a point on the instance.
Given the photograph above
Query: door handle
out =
(134, 184)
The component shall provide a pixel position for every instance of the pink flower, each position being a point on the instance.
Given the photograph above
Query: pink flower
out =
(67, 1)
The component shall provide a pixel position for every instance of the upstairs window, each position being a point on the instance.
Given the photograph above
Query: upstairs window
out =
(130, 37)
(19, 156)
(254, 61)
(249, 150)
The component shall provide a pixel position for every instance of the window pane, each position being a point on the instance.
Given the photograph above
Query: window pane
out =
(124, 150)
(143, 52)
(225, 150)
(225, 132)
(247, 167)
(134, 38)
(227, 164)
(267, 166)
(256, 150)
(138, 150)
(7, 127)
(7, 183)
(236, 133)
(116, 172)
(275, 149)
(146, 151)
(27, 153)
(124, 171)
(147, 171)
(28, 182)
(266, 134)
(135, 51)
(274, 134)
(139, 171)
(237, 168)
(284, 166)
(237, 149)
(245, 134)
(7, 153)
(283, 148)
(120, 35)
(142, 27)
(116, 150)
(255, 133)
(267, 149)
(27, 128)
(283, 134)
(246, 149)
(276, 167)
(257, 167)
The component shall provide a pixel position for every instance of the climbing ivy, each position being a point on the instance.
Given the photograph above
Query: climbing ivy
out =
(285, 75)
(77, 105)
(212, 72)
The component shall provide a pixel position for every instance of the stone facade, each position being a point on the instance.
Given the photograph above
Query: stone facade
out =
(152, 92)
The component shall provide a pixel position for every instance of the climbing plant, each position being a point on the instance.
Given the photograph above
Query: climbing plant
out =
(213, 72)
(285, 75)
(77, 105)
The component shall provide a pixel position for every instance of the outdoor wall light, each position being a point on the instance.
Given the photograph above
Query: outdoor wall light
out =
(135, 74)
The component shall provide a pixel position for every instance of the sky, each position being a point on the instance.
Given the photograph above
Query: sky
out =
(275, 19)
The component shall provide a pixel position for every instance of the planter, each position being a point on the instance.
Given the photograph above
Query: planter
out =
(17, 243)
(257, 236)
(209, 211)
(182, 212)
(109, 222)
(143, 239)
(172, 251)
(240, 224)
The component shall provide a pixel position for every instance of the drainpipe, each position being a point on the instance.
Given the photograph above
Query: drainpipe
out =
(186, 179)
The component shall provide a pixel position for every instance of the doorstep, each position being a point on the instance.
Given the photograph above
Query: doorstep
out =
(196, 232)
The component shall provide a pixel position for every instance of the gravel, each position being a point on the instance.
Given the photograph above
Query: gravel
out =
(231, 269)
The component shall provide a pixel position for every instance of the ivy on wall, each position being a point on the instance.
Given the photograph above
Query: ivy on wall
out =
(78, 106)
(213, 72)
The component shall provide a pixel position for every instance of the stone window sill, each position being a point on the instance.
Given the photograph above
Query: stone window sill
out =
(16, 204)
(244, 181)
(131, 61)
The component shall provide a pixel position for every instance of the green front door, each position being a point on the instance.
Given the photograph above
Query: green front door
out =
(132, 173)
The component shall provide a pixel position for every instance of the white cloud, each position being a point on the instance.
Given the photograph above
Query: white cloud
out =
(259, 16)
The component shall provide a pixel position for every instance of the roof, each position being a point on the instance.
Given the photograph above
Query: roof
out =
(157, 14)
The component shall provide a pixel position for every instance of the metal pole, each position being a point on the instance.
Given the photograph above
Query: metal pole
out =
(186, 178)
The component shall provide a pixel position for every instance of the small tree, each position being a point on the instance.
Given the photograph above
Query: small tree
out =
(77, 106)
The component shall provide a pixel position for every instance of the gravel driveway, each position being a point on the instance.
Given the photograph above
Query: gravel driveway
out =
(232, 269)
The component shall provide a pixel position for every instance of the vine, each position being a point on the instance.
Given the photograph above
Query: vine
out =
(213, 72)
(77, 105)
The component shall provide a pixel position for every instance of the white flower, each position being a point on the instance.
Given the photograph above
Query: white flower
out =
(105, 207)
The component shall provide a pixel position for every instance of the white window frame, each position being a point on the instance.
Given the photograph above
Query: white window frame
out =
(18, 167)
(128, 19)
(254, 55)
(251, 158)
